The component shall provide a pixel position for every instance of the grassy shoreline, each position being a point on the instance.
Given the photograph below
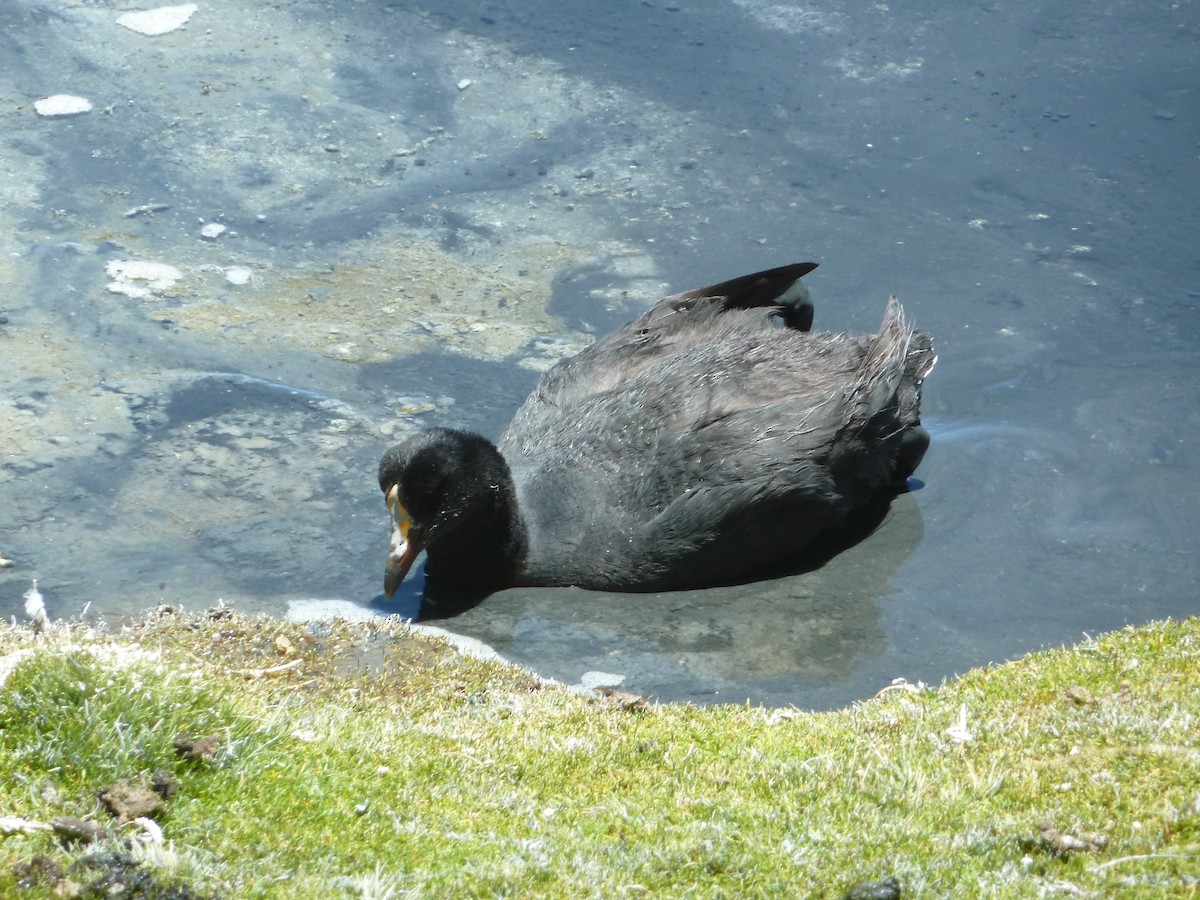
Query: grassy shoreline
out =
(362, 760)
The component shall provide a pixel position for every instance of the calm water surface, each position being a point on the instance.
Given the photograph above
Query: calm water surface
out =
(427, 205)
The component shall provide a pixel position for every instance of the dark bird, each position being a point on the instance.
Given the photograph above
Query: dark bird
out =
(711, 437)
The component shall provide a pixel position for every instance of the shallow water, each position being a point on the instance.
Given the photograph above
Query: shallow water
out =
(432, 204)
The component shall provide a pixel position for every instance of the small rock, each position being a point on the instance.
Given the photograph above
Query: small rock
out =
(128, 802)
(145, 208)
(193, 748)
(884, 889)
(153, 22)
(238, 275)
(72, 830)
(464, 84)
(1079, 695)
(1049, 838)
(163, 784)
(212, 231)
(623, 700)
(60, 105)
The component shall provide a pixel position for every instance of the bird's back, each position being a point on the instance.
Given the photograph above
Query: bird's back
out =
(702, 442)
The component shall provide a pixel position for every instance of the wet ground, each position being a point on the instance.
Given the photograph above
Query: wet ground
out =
(426, 205)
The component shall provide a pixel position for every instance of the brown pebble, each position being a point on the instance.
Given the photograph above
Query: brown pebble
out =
(163, 784)
(1085, 842)
(72, 830)
(197, 748)
(1079, 695)
(127, 801)
(626, 700)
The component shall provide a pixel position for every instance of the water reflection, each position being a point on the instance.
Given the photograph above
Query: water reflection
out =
(785, 639)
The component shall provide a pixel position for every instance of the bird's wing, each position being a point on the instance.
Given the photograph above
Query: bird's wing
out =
(662, 330)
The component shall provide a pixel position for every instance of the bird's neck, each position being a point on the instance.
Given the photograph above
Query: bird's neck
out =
(487, 547)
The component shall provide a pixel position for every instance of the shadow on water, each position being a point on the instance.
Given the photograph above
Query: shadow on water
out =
(793, 635)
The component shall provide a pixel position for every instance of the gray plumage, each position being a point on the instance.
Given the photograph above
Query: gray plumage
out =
(712, 436)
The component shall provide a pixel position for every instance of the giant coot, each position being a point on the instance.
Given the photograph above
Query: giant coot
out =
(709, 438)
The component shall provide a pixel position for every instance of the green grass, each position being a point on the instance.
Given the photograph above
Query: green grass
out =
(365, 761)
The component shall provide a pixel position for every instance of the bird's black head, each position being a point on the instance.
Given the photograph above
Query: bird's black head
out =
(451, 494)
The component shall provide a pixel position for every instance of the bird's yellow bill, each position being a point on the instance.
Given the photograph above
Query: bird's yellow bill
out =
(402, 552)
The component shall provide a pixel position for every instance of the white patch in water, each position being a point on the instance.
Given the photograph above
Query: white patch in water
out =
(153, 22)
(61, 105)
(593, 680)
(127, 273)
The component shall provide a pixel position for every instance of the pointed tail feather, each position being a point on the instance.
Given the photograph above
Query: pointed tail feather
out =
(780, 288)
(883, 365)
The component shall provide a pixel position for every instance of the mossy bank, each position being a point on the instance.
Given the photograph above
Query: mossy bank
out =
(217, 755)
